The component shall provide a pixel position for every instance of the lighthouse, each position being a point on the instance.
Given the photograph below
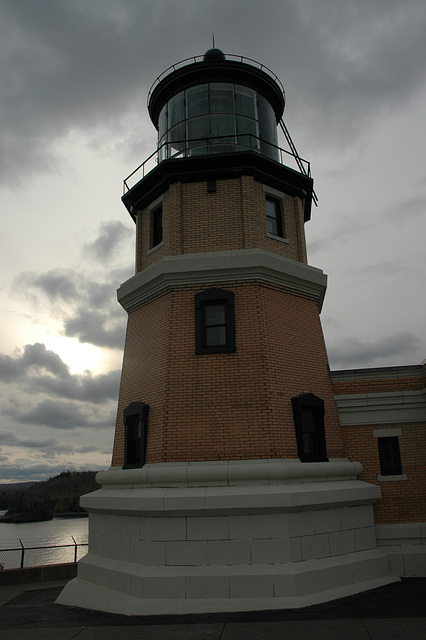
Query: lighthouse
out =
(229, 488)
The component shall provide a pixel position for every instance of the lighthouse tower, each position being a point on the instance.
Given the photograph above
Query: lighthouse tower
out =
(229, 488)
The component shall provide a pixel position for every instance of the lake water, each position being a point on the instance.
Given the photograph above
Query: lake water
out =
(59, 531)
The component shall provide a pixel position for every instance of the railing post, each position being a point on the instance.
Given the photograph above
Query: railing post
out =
(22, 553)
(75, 550)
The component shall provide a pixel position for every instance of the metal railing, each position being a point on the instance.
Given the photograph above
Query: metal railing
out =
(212, 146)
(38, 554)
(228, 56)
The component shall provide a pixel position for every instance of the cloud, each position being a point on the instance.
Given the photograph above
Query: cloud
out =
(406, 210)
(93, 327)
(355, 353)
(87, 308)
(34, 357)
(109, 240)
(39, 370)
(57, 414)
(83, 66)
(47, 447)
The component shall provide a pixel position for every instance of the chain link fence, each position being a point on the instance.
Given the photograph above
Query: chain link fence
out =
(36, 555)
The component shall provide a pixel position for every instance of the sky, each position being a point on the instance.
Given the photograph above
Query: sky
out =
(74, 77)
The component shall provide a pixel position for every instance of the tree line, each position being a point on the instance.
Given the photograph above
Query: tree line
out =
(42, 500)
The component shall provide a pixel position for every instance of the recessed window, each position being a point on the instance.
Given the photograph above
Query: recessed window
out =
(390, 457)
(308, 413)
(274, 216)
(157, 226)
(135, 418)
(214, 321)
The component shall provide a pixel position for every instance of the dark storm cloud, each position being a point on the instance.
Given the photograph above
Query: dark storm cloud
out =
(355, 353)
(109, 240)
(88, 309)
(48, 447)
(34, 357)
(55, 414)
(90, 326)
(40, 370)
(84, 65)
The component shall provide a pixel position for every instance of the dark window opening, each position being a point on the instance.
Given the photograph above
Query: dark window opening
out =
(390, 457)
(274, 216)
(214, 321)
(135, 418)
(308, 413)
(157, 226)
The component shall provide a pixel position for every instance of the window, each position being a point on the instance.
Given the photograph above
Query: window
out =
(390, 457)
(214, 321)
(157, 225)
(135, 418)
(274, 216)
(308, 413)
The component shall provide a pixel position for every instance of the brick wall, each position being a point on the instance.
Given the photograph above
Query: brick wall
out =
(403, 500)
(234, 217)
(225, 406)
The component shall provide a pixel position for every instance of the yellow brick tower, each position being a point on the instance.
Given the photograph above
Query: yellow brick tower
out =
(229, 488)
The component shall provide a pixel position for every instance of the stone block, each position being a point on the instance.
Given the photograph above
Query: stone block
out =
(105, 524)
(369, 565)
(191, 552)
(414, 560)
(159, 582)
(250, 527)
(207, 582)
(310, 577)
(300, 524)
(228, 552)
(207, 528)
(111, 547)
(365, 538)
(356, 517)
(326, 520)
(148, 553)
(270, 551)
(341, 542)
(130, 527)
(316, 546)
(251, 582)
(295, 550)
(184, 501)
(338, 572)
(159, 529)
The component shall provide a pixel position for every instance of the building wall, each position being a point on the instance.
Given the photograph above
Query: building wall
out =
(229, 405)
(234, 217)
(388, 400)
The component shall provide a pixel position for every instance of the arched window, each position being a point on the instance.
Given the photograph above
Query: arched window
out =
(135, 418)
(214, 321)
(308, 412)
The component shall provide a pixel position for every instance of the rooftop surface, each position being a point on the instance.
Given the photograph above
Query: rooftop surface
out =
(394, 612)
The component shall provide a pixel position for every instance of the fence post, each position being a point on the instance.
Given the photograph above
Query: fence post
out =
(75, 550)
(22, 553)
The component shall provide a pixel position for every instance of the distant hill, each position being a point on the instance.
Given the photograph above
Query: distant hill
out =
(42, 500)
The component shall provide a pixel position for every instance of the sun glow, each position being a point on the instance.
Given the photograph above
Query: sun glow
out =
(78, 356)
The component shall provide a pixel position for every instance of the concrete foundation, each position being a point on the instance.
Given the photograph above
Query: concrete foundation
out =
(177, 538)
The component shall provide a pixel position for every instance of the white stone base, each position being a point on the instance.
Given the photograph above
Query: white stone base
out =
(235, 536)
(405, 546)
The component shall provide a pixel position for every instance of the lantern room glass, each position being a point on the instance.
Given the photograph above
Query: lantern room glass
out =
(216, 117)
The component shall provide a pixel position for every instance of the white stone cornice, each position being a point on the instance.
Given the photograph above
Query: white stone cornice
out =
(230, 473)
(222, 266)
(381, 408)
